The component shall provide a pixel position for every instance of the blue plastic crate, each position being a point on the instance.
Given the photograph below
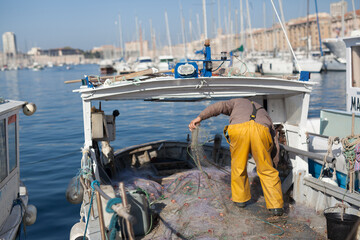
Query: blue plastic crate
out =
(315, 170)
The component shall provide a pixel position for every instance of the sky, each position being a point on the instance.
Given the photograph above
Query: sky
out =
(86, 24)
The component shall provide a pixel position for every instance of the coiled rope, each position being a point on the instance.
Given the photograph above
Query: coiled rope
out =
(349, 144)
(114, 225)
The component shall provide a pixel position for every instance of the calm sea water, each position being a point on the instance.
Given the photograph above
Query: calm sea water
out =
(51, 139)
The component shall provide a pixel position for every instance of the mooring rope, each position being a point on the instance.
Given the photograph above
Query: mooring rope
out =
(91, 202)
(331, 141)
(349, 144)
(113, 226)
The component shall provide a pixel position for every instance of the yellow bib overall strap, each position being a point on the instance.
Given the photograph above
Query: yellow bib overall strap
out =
(253, 115)
(226, 135)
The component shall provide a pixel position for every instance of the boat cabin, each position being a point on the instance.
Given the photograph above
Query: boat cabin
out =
(13, 193)
(9, 155)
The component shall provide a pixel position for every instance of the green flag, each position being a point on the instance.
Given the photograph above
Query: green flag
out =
(239, 49)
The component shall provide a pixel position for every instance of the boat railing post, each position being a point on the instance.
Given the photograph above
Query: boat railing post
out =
(101, 216)
(125, 205)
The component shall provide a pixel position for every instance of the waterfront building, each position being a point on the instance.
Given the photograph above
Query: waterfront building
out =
(9, 44)
(135, 48)
(351, 23)
(57, 56)
(338, 8)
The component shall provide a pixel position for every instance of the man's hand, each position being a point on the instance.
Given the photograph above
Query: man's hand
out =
(193, 123)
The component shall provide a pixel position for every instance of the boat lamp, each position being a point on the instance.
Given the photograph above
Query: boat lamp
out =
(186, 70)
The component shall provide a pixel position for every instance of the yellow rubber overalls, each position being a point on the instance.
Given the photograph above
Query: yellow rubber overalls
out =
(252, 137)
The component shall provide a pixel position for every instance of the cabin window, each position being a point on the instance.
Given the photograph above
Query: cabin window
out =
(12, 142)
(355, 57)
(3, 154)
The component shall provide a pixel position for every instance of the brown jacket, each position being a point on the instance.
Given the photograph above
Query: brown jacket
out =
(239, 110)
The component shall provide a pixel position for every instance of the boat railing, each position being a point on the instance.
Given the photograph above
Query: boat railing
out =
(122, 208)
(314, 156)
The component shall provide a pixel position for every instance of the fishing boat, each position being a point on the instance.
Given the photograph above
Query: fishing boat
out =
(121, 66)
(332, 63)
(180, 189)
(309, 64)
(276, 66)
(15, 210)
(143, 63)
(335, 134)
(166, 62)
(37, 67)
(107, 66)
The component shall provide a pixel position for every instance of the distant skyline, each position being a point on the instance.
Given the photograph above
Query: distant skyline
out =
(86, 24)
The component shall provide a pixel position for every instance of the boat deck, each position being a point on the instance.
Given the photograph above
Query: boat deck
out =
(194, 205)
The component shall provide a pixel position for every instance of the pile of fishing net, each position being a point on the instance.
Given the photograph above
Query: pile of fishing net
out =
(197, 204)
(194, 204)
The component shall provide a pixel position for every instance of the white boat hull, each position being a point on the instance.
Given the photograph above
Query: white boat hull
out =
(309, 65)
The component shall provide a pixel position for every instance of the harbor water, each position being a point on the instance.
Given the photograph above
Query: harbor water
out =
(51, 139)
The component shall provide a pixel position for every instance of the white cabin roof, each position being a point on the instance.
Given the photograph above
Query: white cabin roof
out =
(166, 57)
(10, 105)
(194, 89)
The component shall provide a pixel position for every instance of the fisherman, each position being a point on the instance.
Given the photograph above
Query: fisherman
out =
(250, 131)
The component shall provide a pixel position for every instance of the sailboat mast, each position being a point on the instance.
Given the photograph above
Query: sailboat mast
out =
(121, 38)
(191, 37)
(190, 30)
(230, 28)
(264, 15)
(219, 17)
(198, 24)
(204, 16)
(220, 32)
(141, 41)
(152, 36)
(241, 23)
(249, 23)
(137, 34)
(183, 29)
(354, 16)
(342, 19)
(168, 33)
(236, 29)
(307, 30)
(283, 19)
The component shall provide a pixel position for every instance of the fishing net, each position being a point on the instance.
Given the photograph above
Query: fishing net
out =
(196, 204)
